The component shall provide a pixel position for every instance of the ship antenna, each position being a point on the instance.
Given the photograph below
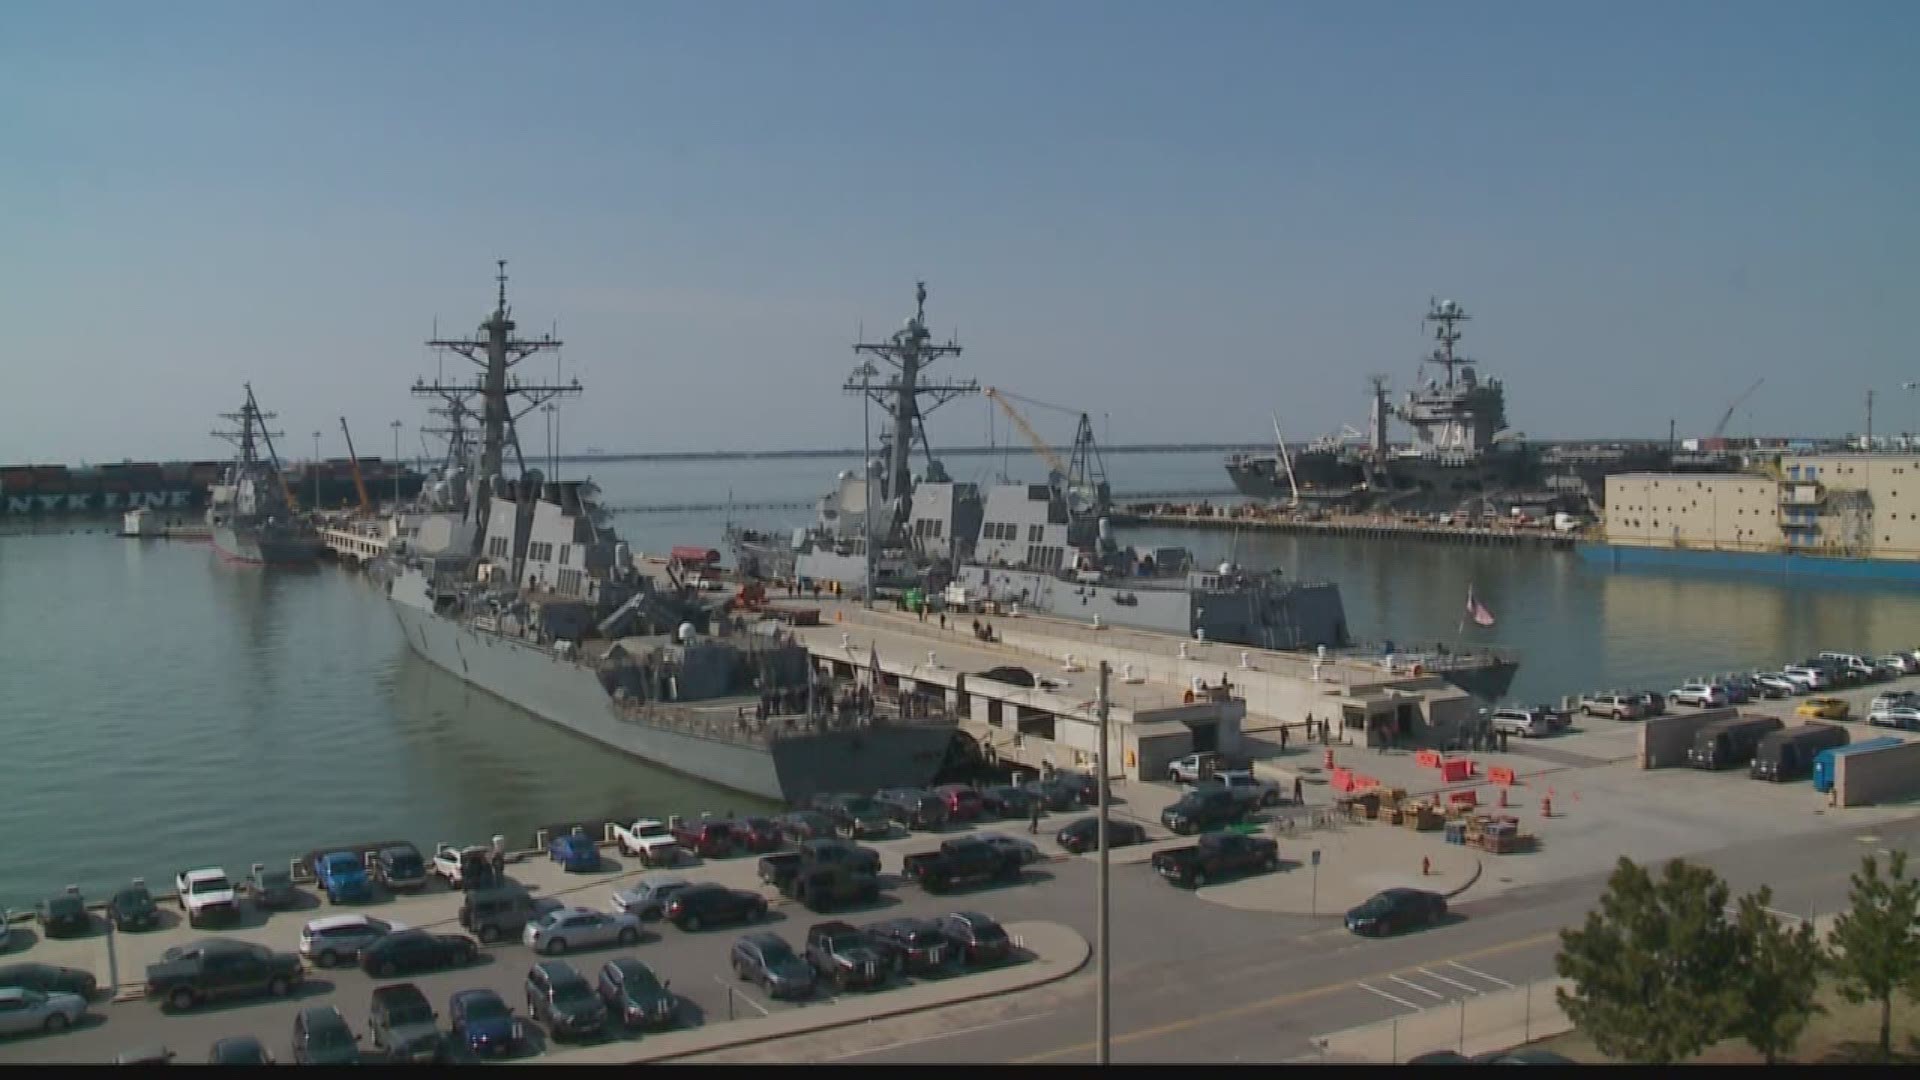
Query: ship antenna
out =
(501, 277)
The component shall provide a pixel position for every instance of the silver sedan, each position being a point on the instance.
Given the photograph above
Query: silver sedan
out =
(579, 928)
(23, 1011)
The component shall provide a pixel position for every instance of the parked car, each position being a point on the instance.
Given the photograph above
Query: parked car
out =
(63, 914)
(961, 861)
(132, 908)
(912, 946)
(1085, 788)
(757, 834)
(913, 809)
(1905, 662)
(1900, 717)
(576, 854)
(1216, 855)
(1617, 704)
(845, 957)
(417, 950)
(496, 912)
(765, 958)
(1207, 807)
(1652, 701)
(1807, 676)
(321, 1036)
(963, 802)
(980, 939)
(709, 839)
(239, 1050)
(832, 850)
(1250, 791)
(563, 1001)
(854, 816)
(1778, 685)
(650, 841)
(1738, 692)
(272, 889)
(403, 1025)
(400, 868)
(1054, 794)
(567, 928)
(1084, 834)
(211, 968)
(470, 867)
(338, 939)
(824, 886)
(1696, 695)
(343, 877)
(1193, 767)
(635, 996)
(484, 1023)
(1027, 850)
(1893, 699)
(1394, 910)
(48, 979)
(647, 897)
(1006, 801)
(707, 904)
(149, 1054)
(1823, 708)
(206, 895)
(799, 826)
(25, 1011)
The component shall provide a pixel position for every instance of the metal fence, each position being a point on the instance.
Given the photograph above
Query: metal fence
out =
(1474, 1023)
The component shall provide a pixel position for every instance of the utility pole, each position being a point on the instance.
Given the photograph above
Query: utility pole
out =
(1869, 445)
(316, 470)
(1103, 1009)
(395, 466)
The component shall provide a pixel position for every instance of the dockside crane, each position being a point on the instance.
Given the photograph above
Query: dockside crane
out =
(1085, 476)
(359, 482)
(1720, 428)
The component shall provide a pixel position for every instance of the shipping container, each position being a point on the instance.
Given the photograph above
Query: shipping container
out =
(1823, 762)
(1788, 754)
(1727, 743)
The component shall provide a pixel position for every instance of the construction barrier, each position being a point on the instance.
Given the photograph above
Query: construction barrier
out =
(1427, 759)
(1456, 769)
(1362, 783)
(1342, 780)
(1463, 798)
(1501, 775)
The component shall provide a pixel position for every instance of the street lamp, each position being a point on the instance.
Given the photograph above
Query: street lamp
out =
(394, 465)
(316, 470)
(1914, 431)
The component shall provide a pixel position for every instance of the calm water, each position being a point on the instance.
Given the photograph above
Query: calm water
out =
(164, 709)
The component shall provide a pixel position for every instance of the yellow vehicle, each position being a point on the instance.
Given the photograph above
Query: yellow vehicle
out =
(1823, 708)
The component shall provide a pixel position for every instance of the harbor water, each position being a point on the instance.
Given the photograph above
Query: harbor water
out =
(161, 709)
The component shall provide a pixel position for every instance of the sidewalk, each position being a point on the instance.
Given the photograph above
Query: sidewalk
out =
(1053, 952)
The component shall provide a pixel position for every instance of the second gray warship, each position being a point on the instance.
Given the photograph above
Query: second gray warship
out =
(250, 514)
(520, 586)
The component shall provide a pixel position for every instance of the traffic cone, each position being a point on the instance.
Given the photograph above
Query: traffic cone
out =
(1503, 798)
(1326, 759)
(1546, 806)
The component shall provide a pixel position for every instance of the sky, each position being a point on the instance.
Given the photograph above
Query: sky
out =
(1186, 219)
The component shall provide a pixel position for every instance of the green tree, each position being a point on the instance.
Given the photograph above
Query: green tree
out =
(1776, 979)
(1650, 967)
(1876, 950)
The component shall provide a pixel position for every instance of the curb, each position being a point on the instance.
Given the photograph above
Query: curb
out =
(1069, 965)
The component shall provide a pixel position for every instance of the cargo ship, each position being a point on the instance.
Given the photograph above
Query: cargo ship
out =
(48, 490)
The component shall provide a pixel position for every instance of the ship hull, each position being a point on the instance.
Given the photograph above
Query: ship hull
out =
(240, 545)
(569, 695)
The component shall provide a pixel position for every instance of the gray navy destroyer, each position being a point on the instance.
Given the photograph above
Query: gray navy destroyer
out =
(520, 586)
(250, 514)
(1044, 548)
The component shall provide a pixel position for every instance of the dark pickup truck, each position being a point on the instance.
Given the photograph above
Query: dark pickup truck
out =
(962, 861)
(846, 957)
(823, 886)
(1203, 808)
(1216, 855)
(854, 816)
(220, 967)
(780, 868)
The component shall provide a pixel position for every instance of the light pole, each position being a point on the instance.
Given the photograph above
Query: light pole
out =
(394, 466)
(1914, 430)
(316, 470)
(1103, 1012)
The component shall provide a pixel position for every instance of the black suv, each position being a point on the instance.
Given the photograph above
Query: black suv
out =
(911, 808)
(1202, 810)
(981, 940)
(400, 868)
(132, 908)
(321, 1037)
(915, 946)
(707, 904)
(845, 957)
(635, 995)
(403, 1024)
(563, 1000)
(416, 950)
(854, 816)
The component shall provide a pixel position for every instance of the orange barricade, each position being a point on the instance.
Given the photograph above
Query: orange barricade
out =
(1361, 783)
(1501, 775)
(1463, 798)
(1456, 769)
(1426, 759)
(1342, 779)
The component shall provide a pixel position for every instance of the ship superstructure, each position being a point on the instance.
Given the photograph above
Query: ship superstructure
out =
(250, 512)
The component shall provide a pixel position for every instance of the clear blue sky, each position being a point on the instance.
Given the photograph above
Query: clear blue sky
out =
(1185, 216)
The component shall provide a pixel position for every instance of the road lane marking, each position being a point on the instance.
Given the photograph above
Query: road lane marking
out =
(734, 991)
(1416, 986)
(945, 1035)
(1294, 997)
(1449, 982)
(1389, 997)
(1481, 974)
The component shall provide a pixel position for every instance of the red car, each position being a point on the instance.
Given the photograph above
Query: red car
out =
(757, 834)
(708, 839)
(963, 803)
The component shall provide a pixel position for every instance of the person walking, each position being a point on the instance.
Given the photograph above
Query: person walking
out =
(1033, 816)
(1299, 793)
(1283, 738)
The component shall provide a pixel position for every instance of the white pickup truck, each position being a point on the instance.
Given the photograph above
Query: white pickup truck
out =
(461, 867)
(206, 895)
(649, 840)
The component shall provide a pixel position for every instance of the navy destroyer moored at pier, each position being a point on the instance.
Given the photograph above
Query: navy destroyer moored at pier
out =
(250, 513)
(520, 586)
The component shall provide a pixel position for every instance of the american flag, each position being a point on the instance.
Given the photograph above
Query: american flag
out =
(1477, 611)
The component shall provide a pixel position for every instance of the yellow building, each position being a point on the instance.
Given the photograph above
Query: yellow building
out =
(1857, 505)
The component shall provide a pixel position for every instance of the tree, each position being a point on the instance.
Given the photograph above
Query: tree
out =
(1876, 950)
(1650, 966)
(1776, 979)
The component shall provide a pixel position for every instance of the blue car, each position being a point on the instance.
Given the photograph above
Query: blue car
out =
(343, 876)
(575, 854)
(484, 1024)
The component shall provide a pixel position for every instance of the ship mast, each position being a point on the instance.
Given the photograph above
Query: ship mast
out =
(1446, 315)
(253, 422)
(910, 350)
(495, 350)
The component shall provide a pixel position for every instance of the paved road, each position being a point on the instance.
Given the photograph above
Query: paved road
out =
(1231, 992)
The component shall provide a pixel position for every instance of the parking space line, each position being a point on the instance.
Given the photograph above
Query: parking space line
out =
(1416, 986)
(1449, 982)
(1397, 1001)
(977, 1028)
(1480, 974)
(734, 991)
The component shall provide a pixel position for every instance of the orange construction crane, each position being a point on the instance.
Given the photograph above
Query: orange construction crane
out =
(359, 484)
